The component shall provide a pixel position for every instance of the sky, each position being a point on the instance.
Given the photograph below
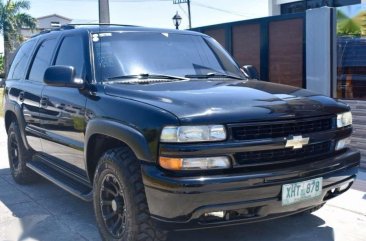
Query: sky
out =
(353, 10)
(152, 13)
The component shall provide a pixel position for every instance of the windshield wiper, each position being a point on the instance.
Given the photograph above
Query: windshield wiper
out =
(214, 75)
(144, 77)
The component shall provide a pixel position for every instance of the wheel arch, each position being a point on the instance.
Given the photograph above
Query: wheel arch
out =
(102, 135)
(13, 112)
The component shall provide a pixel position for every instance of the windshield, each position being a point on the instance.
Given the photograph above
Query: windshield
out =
(120, 54)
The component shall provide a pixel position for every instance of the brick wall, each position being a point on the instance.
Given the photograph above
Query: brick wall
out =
(359, 127)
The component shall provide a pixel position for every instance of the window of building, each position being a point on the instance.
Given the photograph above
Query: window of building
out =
(340, 3)
(55, 24)
(301, 6)
(351, 70)
(19, 65)
(42, 60)
(294, 7)
(71, 53)
(317, 3)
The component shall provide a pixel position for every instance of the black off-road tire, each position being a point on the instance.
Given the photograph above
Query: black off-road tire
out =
(120, 169)
(18, 156)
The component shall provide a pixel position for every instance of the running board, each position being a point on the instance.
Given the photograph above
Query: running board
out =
(70, 185)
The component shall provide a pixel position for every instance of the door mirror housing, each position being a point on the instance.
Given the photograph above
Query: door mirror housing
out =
(62, 76)
(250, 72)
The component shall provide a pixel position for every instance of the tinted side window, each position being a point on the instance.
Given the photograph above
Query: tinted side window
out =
(19, 65)
(71, 53)
(42, 60)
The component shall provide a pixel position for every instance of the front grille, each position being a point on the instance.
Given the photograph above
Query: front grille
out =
(280, 129)
(281, 156)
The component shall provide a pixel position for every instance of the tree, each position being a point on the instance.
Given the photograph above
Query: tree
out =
(12, 18)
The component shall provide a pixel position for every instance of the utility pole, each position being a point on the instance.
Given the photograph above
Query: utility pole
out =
(189, 13)
(189, 9)
(104, 16)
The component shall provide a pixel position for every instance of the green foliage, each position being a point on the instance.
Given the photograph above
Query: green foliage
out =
(354, 26)
(12, 19)
(1, 102)
(2, 65)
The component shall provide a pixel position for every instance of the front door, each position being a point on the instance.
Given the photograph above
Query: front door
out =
(63, 110)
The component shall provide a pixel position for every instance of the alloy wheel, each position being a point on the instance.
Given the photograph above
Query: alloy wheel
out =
(112, 205)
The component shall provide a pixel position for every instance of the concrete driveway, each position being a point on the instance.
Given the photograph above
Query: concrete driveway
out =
(44, 212)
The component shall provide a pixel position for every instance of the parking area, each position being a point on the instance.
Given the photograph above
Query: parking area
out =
(42, 211)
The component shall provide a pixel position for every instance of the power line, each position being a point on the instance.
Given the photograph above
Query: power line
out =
(192, 2)
(219, 9)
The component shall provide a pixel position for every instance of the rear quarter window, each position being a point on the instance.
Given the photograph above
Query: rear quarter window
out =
(19, 66)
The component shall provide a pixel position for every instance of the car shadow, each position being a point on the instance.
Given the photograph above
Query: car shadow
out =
(42, 211)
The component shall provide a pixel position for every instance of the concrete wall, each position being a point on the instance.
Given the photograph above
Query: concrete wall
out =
(359, 127)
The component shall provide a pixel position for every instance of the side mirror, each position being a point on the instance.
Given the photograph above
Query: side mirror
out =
(62, 76)
(250, 72)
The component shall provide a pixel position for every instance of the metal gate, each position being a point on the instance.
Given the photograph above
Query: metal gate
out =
(274, 45)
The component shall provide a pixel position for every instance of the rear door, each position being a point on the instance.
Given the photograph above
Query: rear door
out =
(26, 84)
(64, 127)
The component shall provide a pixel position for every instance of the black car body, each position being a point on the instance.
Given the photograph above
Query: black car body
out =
(68, 126)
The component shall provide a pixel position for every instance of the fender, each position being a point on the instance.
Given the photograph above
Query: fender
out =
(132, 137)
(13, 107)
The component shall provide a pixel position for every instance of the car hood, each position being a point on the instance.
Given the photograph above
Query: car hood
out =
(214, 101)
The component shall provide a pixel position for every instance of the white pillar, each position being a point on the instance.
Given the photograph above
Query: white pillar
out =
(273, 8)
(321, 73)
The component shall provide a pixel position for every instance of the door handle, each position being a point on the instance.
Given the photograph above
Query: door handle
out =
(21, 96)
(44, 102)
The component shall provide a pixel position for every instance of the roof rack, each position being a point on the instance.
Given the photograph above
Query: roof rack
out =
(74, 26)
(63, 27)
(100, 24)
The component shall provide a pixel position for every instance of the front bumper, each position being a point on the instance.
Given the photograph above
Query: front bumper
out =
(181, 202)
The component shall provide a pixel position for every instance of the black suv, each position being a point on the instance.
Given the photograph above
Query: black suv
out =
(162, 130)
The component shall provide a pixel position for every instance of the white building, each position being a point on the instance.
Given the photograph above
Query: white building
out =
(278, 7)
(46, 22)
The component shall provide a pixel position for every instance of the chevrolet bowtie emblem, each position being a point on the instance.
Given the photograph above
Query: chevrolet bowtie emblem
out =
(297, 142)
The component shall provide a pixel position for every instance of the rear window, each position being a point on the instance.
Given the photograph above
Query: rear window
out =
(19, 65)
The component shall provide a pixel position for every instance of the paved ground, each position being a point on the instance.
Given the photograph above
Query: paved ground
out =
(44, 212)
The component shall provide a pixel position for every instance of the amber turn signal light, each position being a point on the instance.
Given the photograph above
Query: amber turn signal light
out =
(175, 164)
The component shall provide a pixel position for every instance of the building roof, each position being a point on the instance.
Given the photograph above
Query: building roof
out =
(55, 15)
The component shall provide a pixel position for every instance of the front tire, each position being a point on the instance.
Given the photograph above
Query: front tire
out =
(18, 156)
(119, 199)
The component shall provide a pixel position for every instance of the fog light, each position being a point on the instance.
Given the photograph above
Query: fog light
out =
(200, 163)
(219, 214)
(343, 187)
(343, 143)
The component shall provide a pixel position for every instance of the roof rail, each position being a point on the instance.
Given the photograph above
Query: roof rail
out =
(63, 27)
(75, 25)
(100, 24)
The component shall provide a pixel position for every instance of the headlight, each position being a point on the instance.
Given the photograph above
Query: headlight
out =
(174, 134)
(200, 163)
(344, 119)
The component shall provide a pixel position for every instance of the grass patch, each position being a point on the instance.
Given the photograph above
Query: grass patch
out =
(1, 102)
